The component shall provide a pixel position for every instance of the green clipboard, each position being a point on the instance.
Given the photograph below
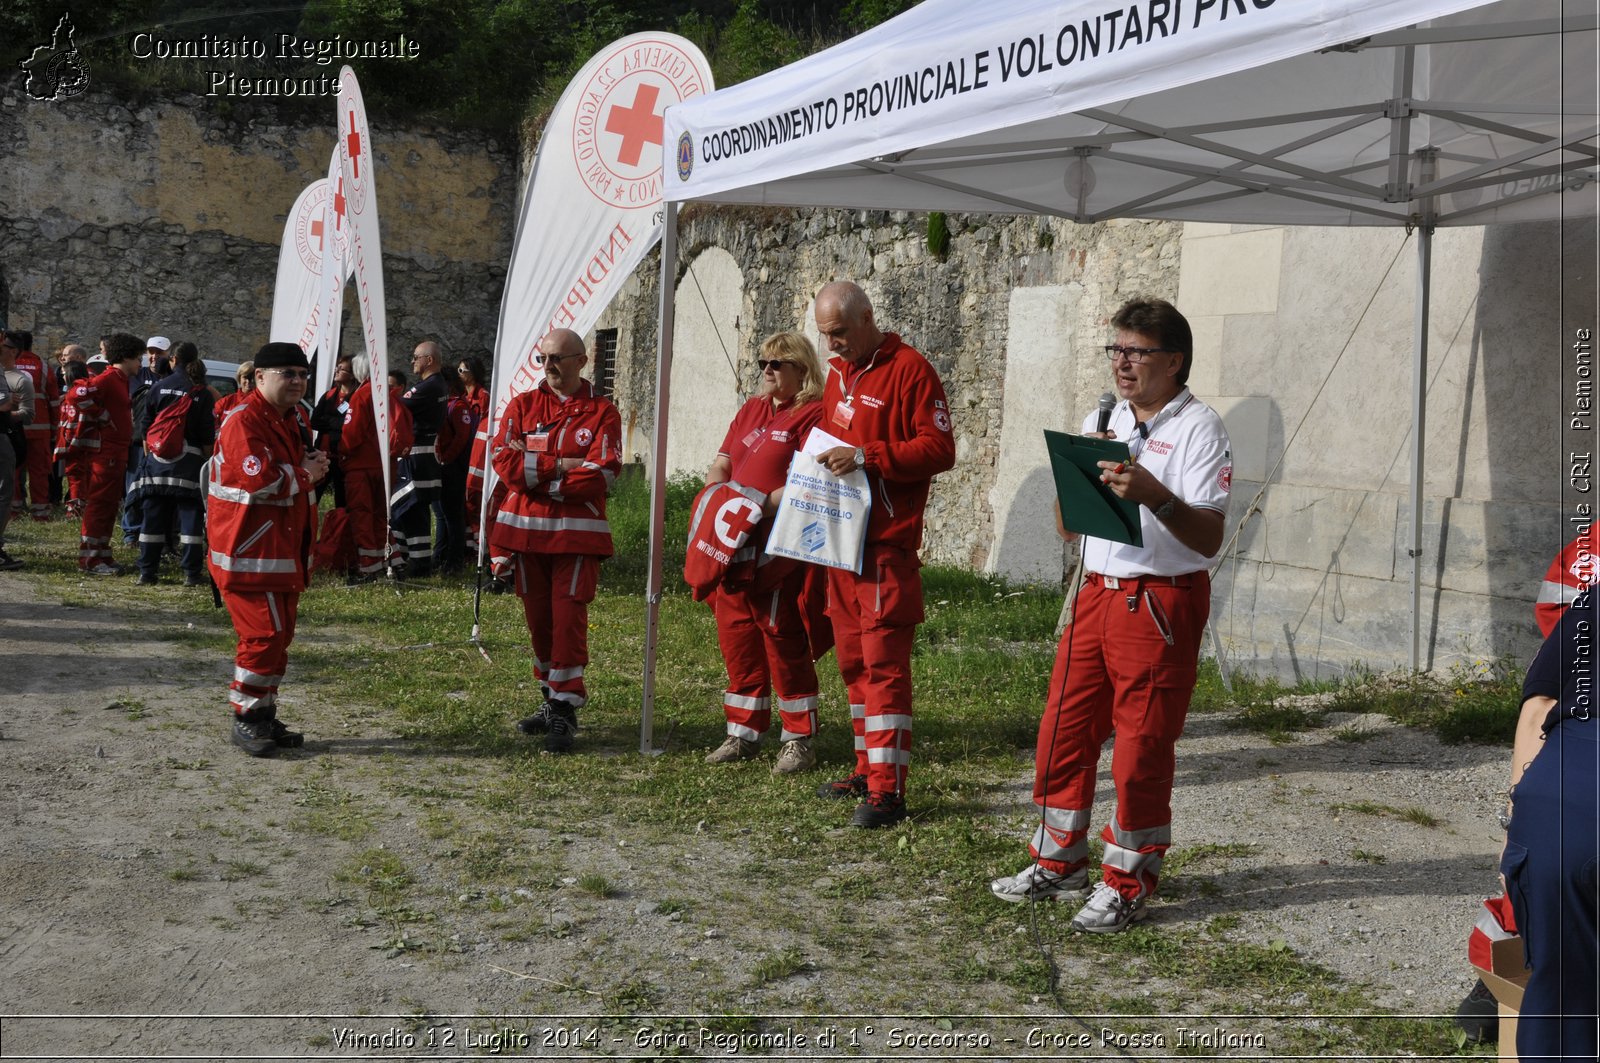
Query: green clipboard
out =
(1088, 506)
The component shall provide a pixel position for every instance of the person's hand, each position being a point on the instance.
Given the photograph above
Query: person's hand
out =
(516, 444)
(315, 463)
(568, 464)
(839, 460)
(1134, 482)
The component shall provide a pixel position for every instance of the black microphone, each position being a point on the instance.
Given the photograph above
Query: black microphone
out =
(1108, 402)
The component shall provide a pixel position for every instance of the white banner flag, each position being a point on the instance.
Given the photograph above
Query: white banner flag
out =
(336, 264)
(592, 207)
(361, 205)
(294, 299)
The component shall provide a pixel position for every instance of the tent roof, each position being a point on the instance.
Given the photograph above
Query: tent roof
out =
(1322, 112)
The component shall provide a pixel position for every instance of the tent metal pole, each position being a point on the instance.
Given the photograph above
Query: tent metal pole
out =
(658, 477)
(1419, 407)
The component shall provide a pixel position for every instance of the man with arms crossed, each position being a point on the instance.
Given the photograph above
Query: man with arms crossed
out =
(1127, 661)
(887, 404)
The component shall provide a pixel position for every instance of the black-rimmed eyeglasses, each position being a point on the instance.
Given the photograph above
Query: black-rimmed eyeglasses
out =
(544, 359)
(1135, 355)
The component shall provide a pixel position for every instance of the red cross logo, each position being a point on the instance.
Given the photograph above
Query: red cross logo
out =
(353, 146)
(637, 125)
(735, 521)
(338, 205)
(316, 230)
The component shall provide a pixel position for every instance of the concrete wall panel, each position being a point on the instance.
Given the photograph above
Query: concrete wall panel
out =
(707, 347)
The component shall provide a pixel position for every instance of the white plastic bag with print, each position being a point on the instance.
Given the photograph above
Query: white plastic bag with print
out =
(823, 517)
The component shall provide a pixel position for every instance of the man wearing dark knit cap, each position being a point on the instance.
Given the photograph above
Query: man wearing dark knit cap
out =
(261, 522)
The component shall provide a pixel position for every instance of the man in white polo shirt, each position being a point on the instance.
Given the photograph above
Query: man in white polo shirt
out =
(1127, 661)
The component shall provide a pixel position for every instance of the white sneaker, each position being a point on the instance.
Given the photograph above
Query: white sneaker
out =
(1108, 912)
(795, 755)
(1034, 883)
(733, 748)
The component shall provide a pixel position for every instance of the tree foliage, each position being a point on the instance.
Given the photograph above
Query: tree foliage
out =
(482, 63)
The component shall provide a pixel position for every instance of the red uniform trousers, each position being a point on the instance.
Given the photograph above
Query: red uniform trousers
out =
(264, 622)
(556, 590)
(1115, 670)
(363, 501)
(765, 648)
(101, 496)
(40, 458)
(875, 617)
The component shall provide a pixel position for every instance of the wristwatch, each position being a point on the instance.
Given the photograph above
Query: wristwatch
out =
(861, 458)
(1165, 509)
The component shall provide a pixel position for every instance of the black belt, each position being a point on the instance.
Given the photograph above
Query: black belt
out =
(1117, 583)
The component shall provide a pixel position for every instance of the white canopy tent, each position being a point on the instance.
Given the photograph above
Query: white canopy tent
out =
(1317, 112)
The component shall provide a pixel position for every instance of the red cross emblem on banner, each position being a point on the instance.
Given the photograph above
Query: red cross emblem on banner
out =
(338, 205)
(353, 146)
(316, 230)
(638, 125)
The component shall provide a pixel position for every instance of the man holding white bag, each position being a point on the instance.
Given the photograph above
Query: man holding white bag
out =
(886, 403)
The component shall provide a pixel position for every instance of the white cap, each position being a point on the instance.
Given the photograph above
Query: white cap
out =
(97, 359)
(159, 342)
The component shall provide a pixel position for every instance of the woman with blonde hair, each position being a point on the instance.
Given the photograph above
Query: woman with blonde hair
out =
(760, 608)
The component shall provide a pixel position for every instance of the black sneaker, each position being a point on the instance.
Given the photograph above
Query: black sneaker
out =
(8, 563)
(284, 738)
(1478, 1015)
(562, 725)
(147, 579)
(254, 736)
(195, 579)
(879, 810)
(852, 789)
(538, 723)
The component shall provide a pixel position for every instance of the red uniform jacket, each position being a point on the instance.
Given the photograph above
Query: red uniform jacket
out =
(260, 508)
(101, 421)
(898, 416)
(547, 511)
(358, 441)
(46, 399)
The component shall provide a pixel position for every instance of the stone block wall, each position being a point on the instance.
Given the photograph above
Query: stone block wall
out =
(164, 216)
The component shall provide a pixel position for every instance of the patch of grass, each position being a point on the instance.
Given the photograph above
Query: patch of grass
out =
(381, 872)
(238, 870)
(1410, 814)
(776, 966)
(1366, 857)
(597, 885)
(1477, 702)
(331, 811)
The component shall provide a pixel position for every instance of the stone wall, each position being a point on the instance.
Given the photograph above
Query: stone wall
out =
(955, 310)
(165, 217)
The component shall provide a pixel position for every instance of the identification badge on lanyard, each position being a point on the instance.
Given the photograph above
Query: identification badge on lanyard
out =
(843, 414)
(537, 442)
(750, 440)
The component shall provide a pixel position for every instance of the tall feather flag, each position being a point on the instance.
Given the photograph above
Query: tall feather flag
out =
(591, 209)
(361, 206)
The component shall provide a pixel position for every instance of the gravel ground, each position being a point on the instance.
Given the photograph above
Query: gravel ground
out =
(147, 869)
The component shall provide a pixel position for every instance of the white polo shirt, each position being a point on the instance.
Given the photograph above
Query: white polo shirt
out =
(1187, 450)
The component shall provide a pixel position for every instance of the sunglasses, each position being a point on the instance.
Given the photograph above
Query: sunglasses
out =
(774, 364)
(557, 359)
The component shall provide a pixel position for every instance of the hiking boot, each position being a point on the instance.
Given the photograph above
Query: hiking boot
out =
(1478, 1015)
(284, 738)
(499, 585)
(195, 579)
(852, 789)
(148, 579)
(254, 736)
(733, 748)
(8, 563)
(538, 723)
(795, 756)
(879, 810)
(106, 568)
(1035, 883)
(1108, 912)
(562, 729)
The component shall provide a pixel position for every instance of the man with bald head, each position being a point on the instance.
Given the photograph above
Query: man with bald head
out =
(557, 449)
(427, 400)
(887, 404)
